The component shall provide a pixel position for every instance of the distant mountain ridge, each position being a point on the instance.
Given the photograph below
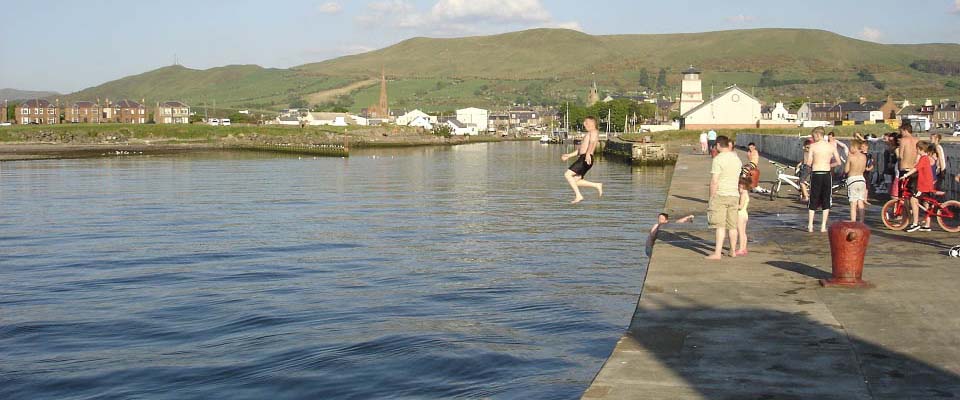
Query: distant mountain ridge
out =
(540, 65)
(17, 94)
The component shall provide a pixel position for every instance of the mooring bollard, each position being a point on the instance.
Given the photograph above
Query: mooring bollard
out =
(848, 246)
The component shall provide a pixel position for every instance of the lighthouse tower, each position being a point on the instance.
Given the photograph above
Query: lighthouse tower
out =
(691, 93)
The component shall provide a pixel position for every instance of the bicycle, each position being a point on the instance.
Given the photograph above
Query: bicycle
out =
(782, 177)
(895, 214)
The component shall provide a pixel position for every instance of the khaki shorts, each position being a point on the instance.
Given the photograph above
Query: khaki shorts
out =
(722, 212)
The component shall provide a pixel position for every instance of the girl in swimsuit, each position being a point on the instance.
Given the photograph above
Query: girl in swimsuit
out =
(742, 215)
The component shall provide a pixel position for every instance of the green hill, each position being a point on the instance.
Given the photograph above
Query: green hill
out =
(554, 65)
(234, 86)
(16, 94)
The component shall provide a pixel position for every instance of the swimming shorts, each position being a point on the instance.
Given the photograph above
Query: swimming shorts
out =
(820, 190)
(580, 167)
(856, 188)
(911, 182)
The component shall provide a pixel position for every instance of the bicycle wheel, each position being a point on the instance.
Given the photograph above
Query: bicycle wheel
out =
(895, 214)
(774, 188)
(949, 216)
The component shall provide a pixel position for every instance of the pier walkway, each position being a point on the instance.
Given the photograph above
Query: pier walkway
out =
(761, 327)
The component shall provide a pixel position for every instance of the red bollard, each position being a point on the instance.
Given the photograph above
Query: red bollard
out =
(848, 245)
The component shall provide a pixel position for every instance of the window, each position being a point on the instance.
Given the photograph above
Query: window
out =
(25, 111)
(25, 120)
(50, 111)
(50, 121)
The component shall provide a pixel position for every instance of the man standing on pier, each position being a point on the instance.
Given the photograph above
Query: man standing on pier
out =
(724, 196)
(820, 160)
(577, 172)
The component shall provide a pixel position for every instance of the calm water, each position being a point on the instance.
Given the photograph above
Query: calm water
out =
(418, 273)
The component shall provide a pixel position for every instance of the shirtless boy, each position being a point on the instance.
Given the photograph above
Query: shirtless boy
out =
(907, 154)
(856, 184)
(577, 172)
(819, 160)
(753, 156)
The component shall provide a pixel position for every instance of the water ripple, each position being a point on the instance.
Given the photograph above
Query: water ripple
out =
(420, 273)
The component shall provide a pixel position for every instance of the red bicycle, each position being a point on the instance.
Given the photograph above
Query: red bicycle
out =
(896, 212)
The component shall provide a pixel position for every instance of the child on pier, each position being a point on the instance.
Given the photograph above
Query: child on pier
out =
(742, 215)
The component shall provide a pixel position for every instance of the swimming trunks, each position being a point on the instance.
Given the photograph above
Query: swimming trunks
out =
(580, 167)
(856, 188)
(911, 182)
(820, 190)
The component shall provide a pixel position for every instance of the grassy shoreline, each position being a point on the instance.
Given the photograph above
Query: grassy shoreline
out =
(91, 140)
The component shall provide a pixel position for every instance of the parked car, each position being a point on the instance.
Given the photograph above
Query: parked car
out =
(956, 132)
(225, 122)
(5, 124)
(213, 121)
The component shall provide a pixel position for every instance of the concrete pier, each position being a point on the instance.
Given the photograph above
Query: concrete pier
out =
(639, 153)
(761, 327)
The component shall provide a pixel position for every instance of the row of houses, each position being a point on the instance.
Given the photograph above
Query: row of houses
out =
(44, 112)
(737, 108)
(466, 121)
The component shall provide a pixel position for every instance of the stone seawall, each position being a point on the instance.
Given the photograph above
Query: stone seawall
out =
(639, 153)
(789, 149)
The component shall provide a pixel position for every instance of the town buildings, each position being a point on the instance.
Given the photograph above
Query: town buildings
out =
(82, 112)
(124, 112)
(37, 111)
(946, 114)
(863, 110)
(524, 117)
(814, 111)
(172, 112)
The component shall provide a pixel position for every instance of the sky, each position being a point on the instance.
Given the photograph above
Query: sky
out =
(66, 46)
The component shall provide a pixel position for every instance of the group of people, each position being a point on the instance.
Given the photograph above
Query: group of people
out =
(918, 166)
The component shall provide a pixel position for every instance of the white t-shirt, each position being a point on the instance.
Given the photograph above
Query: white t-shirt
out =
(727, 165)
(703, 137)
(712, 135)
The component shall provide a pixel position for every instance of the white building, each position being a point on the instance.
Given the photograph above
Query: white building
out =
(732, 108)
(360, 120)
(327, 119)
(406, 119)
(476, 117)
(691, 92)
(288, 120)
(779, 113)
(421, 122)
(458, 128)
